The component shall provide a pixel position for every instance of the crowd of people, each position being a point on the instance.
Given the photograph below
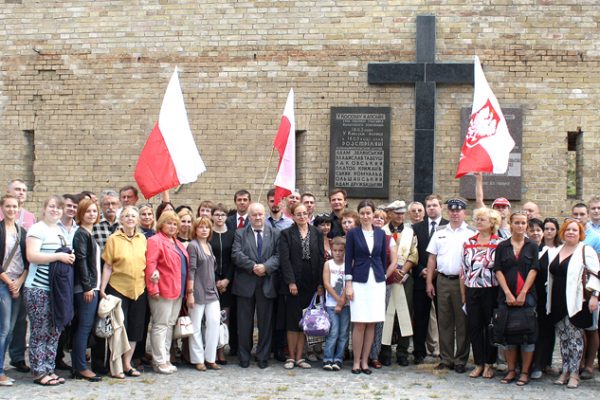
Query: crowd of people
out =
(387, 275)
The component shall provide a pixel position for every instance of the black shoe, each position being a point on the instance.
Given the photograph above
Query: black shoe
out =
(385, 358)
(460, 368)
(63, 366)
(366, 371)
(441, 366)
(20, 366)
(263, 364)
(77, 375)
(419, 359)
(403, 360)
(244, 364)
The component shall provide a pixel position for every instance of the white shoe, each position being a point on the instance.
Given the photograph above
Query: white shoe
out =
(163, 369)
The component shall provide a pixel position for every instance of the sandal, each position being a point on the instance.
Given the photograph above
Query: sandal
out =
(133, 372)
(562, 379)
(289, 363)
(476, 373)
(488, 371)
(301, 363)
(523, 379)
(118, 376)
(48, 382)
(57, 378)
(573, 382)
(510, 376)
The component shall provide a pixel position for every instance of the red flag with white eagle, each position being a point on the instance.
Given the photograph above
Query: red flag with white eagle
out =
(170, 156)
(488, 143)
(285, 143)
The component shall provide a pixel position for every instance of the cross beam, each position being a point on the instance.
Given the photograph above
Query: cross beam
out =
(425, 74)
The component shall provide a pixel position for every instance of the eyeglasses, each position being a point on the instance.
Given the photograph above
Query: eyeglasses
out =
(219, 215)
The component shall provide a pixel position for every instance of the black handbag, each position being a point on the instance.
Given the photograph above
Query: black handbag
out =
(513, 325)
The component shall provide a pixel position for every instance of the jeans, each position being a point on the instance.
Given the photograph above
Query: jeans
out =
(337, 339)
(86, 313)
(9, 309)
(16, 342)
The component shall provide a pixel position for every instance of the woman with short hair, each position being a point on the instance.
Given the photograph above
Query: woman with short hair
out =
(124, 258)
(167, 262)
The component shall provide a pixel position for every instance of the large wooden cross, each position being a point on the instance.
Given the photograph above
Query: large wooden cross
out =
(425, 74)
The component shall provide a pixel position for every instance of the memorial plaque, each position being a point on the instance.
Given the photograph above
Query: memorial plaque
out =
(359, 151)
(498, 185)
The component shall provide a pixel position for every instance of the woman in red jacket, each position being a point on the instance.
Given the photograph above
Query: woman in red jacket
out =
(166, 269)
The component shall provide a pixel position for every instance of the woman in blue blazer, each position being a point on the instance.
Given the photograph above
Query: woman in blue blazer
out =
(365, 283)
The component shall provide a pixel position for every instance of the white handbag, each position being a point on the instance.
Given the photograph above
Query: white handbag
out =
(183, 327)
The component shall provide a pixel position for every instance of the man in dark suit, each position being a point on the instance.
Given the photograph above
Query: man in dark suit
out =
(421, 302)
(242, 200)
(255, 254)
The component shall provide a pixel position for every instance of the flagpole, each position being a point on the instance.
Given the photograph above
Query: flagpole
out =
(266, 173)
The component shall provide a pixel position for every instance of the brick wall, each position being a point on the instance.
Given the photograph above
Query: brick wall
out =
(86, 79)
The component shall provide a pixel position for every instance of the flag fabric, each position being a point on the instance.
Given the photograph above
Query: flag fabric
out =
(170, 156)
(488, 143)
(285, 143)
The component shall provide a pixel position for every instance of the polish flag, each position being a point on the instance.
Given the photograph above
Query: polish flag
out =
(285, 143)
(488, 142)
(170, 156)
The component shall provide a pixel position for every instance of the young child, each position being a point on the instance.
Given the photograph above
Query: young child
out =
(338, 310)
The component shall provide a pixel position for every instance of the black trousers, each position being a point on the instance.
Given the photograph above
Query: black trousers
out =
(245, 325)
(480, 308)
(421, 308)
(544, 347)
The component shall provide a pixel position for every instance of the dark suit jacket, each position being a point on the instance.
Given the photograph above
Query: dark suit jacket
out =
(290, 255)
(421, 230)
(358, 258)
(245, 256)
(231, 222)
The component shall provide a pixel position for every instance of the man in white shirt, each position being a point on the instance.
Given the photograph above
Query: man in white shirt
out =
(445, 258)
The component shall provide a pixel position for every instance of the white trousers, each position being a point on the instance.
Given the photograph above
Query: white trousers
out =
(212, 312)
(164, 315)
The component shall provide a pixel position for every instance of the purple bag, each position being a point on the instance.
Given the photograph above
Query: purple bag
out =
(315, 321)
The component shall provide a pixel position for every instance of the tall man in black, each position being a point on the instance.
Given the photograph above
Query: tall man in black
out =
(242, 200)
(421, 302)
(255, 254)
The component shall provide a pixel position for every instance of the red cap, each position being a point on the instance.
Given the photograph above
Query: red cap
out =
(501, 201)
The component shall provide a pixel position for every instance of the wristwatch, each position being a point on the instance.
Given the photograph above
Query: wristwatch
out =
(595, 293)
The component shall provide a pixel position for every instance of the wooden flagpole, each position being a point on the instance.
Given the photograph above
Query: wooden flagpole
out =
(262, 188)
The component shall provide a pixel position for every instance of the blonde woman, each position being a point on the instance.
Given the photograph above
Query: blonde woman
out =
(185, 233)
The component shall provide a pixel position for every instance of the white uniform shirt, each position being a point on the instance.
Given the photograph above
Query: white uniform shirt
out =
(447, 244)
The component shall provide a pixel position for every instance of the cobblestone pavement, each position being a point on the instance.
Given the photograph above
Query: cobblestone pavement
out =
(276, 383)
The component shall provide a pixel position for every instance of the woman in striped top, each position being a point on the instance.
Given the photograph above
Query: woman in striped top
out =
(43, 239)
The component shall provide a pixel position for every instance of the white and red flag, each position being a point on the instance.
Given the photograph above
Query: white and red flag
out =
(285, 143)
(488, 143)
(170, 156)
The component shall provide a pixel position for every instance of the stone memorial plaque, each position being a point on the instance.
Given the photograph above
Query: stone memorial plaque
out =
(359, 151)
(504, 185)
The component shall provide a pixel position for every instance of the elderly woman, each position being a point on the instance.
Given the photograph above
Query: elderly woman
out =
(43, 239)
(479, 288)
(365, 283)
(124, 258)
(87, 285)
(185, 232)
(147, 220)
(516, 265)
(203, 297)
(221, 242)
(13, 271)
(566, 296)
(166, 269)
(301, 257)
